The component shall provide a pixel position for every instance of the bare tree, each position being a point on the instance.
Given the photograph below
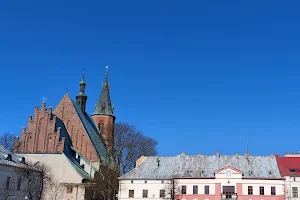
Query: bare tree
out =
(129, 145)
(172, 190)
(7, 140)
(25, 180)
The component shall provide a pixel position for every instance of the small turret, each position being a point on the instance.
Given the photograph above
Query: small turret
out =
(81, 96)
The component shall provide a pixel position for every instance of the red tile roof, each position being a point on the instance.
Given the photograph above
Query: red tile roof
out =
(288, 166)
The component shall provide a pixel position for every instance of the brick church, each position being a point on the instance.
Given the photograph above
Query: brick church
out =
(69, 138)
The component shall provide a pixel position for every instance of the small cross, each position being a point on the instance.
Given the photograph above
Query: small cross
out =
(66, 90)
(106, 69)
(44, 99)
(83, 72)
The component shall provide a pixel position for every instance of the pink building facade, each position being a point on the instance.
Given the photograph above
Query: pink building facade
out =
(204, 177)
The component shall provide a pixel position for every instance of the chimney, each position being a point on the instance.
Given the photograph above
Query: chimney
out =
(140, 161)
(218, 154)
(237, 154)
(247, 155)
(182, 154)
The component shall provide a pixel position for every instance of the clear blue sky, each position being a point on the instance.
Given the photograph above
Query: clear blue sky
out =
(198, 76)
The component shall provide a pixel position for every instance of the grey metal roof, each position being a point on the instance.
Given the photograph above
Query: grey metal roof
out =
(10, 157)
(201, 166)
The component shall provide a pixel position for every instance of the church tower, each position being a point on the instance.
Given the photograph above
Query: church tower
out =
(81, 96)
(104, 114)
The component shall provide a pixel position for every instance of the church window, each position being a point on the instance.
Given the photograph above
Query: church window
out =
(50, 138)
(29, 137)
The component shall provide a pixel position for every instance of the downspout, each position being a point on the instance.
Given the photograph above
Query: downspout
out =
(76, 191)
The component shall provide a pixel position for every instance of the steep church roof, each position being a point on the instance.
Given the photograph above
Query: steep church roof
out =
(92, 132)
(104, 105)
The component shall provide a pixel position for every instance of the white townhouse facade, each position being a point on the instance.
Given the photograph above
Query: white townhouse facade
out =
(15, 176)
(203, 177)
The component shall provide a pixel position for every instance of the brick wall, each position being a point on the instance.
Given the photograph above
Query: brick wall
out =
(80, 139)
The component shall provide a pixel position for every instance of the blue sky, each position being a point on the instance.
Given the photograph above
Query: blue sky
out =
(198, 76)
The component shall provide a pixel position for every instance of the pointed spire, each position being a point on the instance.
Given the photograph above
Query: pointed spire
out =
(81, 96)
(104, 106)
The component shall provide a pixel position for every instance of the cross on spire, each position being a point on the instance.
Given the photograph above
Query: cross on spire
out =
(106, 69)
(83, 72)
(44, 99)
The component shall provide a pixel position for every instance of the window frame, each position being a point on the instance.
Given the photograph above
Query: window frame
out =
(206, 189)
(131, 194)
(261, 190)
(250, 190)
(183, 189)
(195, 189)
(295, 192)
(162, 193)
(145, 194)
(273, 190)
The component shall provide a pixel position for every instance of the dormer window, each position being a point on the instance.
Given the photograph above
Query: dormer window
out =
(9, 158)
(292, 170)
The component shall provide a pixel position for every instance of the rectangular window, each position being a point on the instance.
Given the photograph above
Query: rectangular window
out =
(131, 194)
(273, 191)
(162, 193)
(69, 189)
(7, 182)
(250, 190)
(206, 189)
(183, 189)
(195, 189)
(145, 193)
(19, 183)
(295, 191)
(261, 190)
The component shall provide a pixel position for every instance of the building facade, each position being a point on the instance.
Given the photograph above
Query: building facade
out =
(289, 166)
(15, 175)
(203, 177)
(69, 140)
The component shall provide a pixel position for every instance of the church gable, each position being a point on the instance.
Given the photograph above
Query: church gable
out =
(43, 134)
(79, 129)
